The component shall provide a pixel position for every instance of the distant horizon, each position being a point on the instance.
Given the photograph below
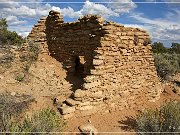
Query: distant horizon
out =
(160, 18)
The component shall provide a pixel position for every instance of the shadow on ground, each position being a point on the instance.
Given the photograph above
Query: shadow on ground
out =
(128, 124)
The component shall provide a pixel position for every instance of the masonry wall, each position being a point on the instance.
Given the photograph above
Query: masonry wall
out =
(127, 67)
(118, 63)
(66, 41)
(37, 36)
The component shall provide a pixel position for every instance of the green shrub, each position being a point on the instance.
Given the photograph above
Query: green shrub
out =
(167, 64)
(175, 48)
(42, 122)
(11, 107)
(8, 37)
(167, 119)
(12, 120)
(29, 55)
(34, 51)
(158, 47)
(14, 105)
(46, 120)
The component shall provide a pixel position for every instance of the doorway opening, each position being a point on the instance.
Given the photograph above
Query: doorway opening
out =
(76, 78)
(79, 66)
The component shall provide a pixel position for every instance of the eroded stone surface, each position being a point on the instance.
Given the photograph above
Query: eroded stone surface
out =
(67, 109)
(117, 61)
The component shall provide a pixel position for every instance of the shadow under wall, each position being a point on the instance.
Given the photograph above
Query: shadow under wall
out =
(76, 76)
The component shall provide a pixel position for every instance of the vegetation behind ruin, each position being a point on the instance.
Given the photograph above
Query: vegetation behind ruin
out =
(8, 37)
(167, 60)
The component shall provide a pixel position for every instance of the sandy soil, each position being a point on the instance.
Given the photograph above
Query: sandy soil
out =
(48, 80)
(121, 121)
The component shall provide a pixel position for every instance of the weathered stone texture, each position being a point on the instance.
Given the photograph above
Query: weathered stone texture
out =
(118, 63)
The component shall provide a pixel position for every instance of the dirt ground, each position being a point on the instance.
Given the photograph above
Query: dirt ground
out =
(119, 121)
(112, 123)
(47, 80)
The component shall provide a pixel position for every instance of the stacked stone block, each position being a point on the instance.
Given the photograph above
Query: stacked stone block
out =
(118, 63)
(38, 36)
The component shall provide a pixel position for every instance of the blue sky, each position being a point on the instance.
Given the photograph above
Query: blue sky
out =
(161, 18)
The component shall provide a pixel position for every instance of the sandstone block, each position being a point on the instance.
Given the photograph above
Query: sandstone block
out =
(67, 110)
(85, 103)
(97, 62)
(79, 93)
(72, 102)
(86, 108)
(99, 57)
(98, 94)
(97, 72)
(91, 85)
(123, 51)
(90, 78)
(88, 129)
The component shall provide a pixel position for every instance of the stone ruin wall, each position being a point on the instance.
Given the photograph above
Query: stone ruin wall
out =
(118, 66)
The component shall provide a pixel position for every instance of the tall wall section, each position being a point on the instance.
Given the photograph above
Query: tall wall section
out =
(118, 63)
(67, 41)
(37, 36)
(127, 65)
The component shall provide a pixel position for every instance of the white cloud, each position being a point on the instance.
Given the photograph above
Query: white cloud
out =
(167, 28)
(20, 11)
(13, 20)
(22, 30)
(42, 10)
(97, 9)
(24, 33)
(37, 9)
(25, 11)
(68, 12)
(8, 4)
(17, 13)
(122, 6)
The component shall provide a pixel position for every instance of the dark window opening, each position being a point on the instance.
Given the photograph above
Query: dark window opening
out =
(77, 63)
(76, 77)
(79, 66)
